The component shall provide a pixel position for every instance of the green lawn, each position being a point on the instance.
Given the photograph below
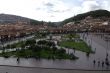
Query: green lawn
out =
(42, 54)
(33, 50)
(71, 36)
(81, 46)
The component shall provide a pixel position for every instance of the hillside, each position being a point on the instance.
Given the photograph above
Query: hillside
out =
(8, 18)
(94, 14)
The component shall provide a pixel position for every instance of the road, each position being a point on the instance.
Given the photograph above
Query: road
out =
(15, 69)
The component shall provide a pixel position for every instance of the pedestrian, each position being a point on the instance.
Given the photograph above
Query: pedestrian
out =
(94, 62)
(74, 50)
(87, 54)
(106, 59)
(18, 59)
(107, 63)
(106, 55)
(98, 63)
(102, 63)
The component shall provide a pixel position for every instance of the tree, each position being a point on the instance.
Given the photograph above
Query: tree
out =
(30, 42)
(54, 49)
(62, 50)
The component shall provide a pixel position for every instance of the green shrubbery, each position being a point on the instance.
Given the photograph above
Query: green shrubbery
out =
(41, 49)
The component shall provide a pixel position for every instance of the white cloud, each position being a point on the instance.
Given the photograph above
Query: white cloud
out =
(89, 5)
(105, 4)
(50, 10)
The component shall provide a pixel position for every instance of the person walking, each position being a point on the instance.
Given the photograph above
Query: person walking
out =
(106, 55)
(98, 63)
(18, 59)
(102, 63)
(107, 63)
(94, 62)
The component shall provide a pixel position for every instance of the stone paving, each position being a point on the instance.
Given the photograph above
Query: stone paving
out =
(84, 62)
(12, 69)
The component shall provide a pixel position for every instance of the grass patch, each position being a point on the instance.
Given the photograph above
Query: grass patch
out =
(72, 36)
(40, 49)
(81, 45)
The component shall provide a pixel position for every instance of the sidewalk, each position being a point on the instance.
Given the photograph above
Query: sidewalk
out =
(11, 69)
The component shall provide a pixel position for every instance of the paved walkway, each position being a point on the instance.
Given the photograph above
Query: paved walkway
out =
(15, 69)
(16, 40)
(83, 62)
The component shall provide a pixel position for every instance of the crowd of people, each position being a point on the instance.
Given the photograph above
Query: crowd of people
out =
(103, 63)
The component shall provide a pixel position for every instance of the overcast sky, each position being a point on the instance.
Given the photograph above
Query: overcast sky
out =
(51, 10)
